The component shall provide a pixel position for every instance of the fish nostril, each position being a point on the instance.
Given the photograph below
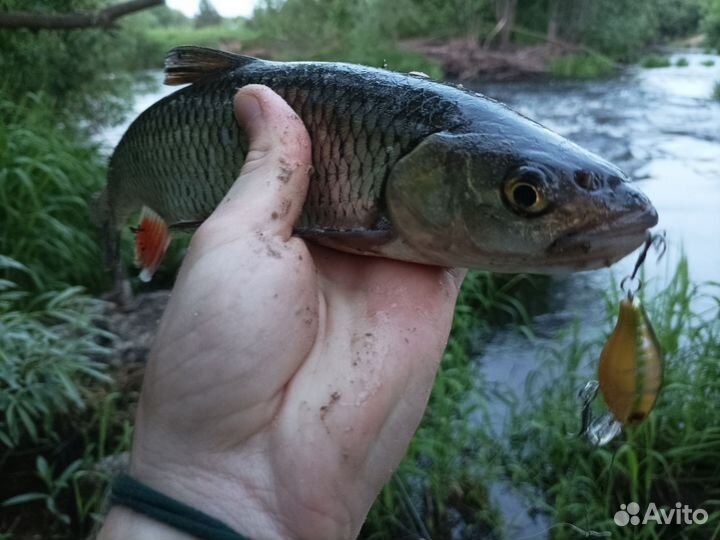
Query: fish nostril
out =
(614, 181)
(587, 180)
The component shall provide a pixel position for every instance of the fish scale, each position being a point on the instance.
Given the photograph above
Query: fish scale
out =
(403, 167)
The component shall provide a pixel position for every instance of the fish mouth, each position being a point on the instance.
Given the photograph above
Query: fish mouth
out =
(596, 246)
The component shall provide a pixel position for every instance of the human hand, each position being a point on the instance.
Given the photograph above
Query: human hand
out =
(286, 379)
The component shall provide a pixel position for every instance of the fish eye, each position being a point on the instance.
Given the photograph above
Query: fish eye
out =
(524, 192)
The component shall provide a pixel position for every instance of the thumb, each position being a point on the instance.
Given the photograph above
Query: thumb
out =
(271, 188)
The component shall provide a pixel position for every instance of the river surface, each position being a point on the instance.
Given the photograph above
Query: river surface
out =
(662, 127)
(659, 125)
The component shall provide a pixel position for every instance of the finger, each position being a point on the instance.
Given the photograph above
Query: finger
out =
(458, 276)
(271, 188)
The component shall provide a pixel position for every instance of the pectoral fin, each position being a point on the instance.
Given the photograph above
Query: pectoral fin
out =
(152, 239)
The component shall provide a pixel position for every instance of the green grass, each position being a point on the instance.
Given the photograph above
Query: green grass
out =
(580, 66)
(59, 415)
(654, 61)
(48, 349)
(378, 53)
(48, 172)
(452, 461)
(670, 457)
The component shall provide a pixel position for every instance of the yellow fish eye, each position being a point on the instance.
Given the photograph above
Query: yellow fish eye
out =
(524, 194)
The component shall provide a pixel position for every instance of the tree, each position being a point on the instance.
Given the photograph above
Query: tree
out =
(506, 10)
(207, 15)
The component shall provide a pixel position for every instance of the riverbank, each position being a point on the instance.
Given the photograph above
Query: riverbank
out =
(71, 367)
(467, 60)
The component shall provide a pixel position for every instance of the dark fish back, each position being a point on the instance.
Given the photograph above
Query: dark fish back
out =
(181, 156)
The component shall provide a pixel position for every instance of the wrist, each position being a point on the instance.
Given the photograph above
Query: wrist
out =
(124, 524)
(224, 498)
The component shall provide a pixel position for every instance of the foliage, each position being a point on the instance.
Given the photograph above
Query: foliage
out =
(682, 62)
(716, 91)
(581, 66)
(158, 40)
(58, 412)
(68, 498)
(677, 18)
(342, 29)
(668, 458)
(449, 465)
(166, 16)
(363, 32)
(47, 350)
(48, 173)
(711, 23)
(655, 61)
(76, 68)
(207, 15)
(708, 63)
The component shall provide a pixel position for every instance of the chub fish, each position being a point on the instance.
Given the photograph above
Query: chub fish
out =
(403, 167)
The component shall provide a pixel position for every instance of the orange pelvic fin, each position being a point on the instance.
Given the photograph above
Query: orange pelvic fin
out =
(152, 239)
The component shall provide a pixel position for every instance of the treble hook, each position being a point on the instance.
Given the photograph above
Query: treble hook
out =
(659, 242)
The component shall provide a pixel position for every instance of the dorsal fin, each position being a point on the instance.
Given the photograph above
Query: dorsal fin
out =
(189, 63)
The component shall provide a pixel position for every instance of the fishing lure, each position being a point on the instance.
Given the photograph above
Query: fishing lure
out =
(630, 370)
(631, 365)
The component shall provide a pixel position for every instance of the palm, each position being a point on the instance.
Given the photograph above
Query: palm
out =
(325, 384)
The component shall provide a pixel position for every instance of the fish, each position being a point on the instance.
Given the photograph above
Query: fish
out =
(630, 371)
(404, 167)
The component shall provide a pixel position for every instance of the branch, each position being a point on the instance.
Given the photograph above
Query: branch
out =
(104, 18)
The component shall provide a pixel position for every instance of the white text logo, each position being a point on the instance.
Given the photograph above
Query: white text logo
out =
(681, 514)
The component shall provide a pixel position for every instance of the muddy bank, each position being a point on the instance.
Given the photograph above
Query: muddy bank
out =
(466, 60)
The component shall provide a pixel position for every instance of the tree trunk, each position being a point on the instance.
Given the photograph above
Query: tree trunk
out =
(552, 28)
(104, 18)
(508, 18)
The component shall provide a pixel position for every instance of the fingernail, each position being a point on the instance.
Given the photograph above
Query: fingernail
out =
(247, 107)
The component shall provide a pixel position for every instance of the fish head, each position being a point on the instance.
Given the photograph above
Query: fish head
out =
(536, 204)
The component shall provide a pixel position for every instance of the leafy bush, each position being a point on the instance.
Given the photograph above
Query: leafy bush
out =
(47, 350)
(48, 173)
(77, 68)
(158, 40)
(711, 23)
(677, 18)
(670, 457)
(682, 62)
(359, 32)
(655, 61)
(716, 91)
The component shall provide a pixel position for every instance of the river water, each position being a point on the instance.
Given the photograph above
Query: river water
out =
(663, 128)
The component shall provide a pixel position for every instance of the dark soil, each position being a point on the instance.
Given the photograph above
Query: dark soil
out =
(135, 326)
(466, 60)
